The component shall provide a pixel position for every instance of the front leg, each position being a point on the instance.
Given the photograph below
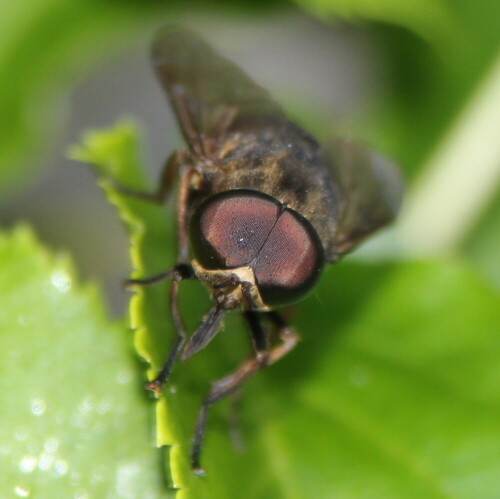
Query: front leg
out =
(177, 273)
(157, 383)
(183, 268)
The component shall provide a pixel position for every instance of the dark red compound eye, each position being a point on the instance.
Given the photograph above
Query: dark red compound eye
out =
(243, 227)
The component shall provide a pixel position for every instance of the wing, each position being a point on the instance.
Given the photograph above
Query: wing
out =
(209, 94)
(370, 191)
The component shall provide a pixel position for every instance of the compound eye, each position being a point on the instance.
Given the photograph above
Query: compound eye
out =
(230, 228)
(290, 261)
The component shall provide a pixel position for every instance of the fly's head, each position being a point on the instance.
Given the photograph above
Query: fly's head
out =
(252, 251)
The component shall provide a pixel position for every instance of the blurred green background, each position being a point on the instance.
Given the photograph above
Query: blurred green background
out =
(421, 82)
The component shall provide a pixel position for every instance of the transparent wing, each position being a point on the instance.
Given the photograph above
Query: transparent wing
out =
(210, 94)
(370, 191)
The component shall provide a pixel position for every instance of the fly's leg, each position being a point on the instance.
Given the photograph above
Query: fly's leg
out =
(176, 165)
(263, 356)
(186, 175)
(178, 273)
(287, 334)
(167, 179)
(260, 342)
(157, 383)
(258, 334)
(181, 270)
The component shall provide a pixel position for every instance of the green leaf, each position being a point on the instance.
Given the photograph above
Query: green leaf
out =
(402, 391)
(393, 392)
(69, 390)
